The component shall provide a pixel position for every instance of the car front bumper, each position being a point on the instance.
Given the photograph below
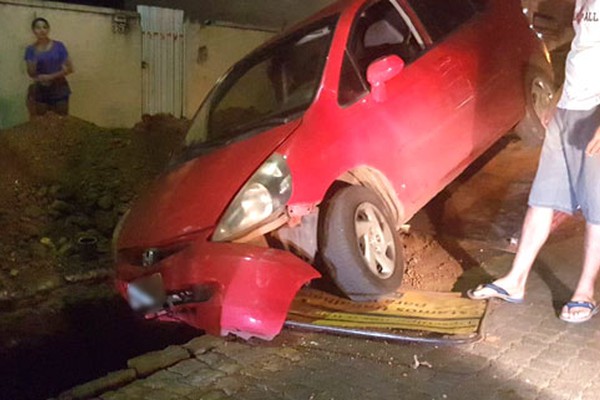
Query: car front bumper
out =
(220, 288)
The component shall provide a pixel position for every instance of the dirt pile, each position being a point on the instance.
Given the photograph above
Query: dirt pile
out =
(428, 266)
(65, 183)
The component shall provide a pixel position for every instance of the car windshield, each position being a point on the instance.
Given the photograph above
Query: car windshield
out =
(267, 89)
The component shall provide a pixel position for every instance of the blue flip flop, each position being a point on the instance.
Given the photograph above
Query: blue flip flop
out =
(579, 304)
(494, 292)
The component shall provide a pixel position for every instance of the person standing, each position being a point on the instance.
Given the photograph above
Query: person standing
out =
(568, 175)
(48, 64)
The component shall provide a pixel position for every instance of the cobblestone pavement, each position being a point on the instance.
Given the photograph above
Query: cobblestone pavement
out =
(526, 351)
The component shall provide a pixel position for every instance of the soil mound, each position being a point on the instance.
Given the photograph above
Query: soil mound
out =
(65, 183)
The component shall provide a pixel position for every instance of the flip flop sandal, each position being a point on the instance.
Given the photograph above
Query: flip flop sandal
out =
(578, 304)
(493, 292)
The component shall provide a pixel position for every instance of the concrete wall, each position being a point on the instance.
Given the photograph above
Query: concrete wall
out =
(106, 84)
(210, 51)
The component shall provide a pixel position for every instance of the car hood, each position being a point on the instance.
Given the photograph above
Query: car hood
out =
(193, 196)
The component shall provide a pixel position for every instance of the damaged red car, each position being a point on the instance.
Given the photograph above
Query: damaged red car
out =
(311, 152)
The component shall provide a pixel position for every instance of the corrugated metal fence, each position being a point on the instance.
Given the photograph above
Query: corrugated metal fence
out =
(162, 60)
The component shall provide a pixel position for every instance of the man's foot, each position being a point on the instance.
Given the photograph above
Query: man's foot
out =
(493, 291)
(578, 311)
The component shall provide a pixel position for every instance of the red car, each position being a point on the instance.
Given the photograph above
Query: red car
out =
(311, 152)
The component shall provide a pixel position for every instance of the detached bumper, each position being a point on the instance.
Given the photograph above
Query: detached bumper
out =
(223, 288)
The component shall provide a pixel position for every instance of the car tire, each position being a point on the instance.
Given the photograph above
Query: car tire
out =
(359, 247)
(539, 90)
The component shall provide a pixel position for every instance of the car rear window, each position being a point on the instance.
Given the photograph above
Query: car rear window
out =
(441, 17)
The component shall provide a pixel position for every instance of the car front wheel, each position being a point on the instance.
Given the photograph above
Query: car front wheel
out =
(359, 246)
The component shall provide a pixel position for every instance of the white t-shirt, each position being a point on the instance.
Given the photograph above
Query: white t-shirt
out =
(581, 90)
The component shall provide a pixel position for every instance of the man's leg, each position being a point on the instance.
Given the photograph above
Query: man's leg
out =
(536, 228)
(591, 267)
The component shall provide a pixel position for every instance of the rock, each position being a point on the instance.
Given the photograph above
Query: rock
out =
(89, 232)
(92, 197)
(53, 190)
(29, 230)
(23, 198)
(122, 208)
(66, 249)
(105, 202)
(104, 246)
(46, 241)
(14, 272)
(97, 274)
(124, 198)
(42, 192)
(62, 193)
(105, 221)
(55, 214)
(61, 206)
(34, 211)
(48, 284)
(81, 221)
(38, 250)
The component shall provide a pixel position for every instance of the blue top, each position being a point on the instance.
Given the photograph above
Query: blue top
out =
(49, 61)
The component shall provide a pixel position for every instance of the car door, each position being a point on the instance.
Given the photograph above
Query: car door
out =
(473, 33)
(415, 135)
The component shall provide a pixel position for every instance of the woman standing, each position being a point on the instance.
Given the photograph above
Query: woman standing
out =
(48, 63)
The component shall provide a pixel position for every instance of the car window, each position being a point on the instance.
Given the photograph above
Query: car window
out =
(441, 17)
(265, 89)
(285, 80)
(352, 85)
(379, 30)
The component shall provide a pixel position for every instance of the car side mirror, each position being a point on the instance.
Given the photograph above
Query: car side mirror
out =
(380, 71)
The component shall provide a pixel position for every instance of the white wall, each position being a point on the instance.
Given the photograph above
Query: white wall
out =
(106, 84)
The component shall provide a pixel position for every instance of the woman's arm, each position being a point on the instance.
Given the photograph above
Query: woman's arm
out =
(67, 68)
(31, 69)
(31, 61)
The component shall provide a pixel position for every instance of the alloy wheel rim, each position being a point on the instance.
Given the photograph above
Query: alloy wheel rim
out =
(375, 240)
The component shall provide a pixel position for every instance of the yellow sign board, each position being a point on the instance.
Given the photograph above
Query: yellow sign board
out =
(445, 313)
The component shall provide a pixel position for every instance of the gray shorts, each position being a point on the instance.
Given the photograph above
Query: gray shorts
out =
(567, 180)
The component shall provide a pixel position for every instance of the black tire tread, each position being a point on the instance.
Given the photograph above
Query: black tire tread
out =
(339, 250)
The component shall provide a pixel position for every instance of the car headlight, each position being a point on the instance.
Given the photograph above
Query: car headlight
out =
(264, 195)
